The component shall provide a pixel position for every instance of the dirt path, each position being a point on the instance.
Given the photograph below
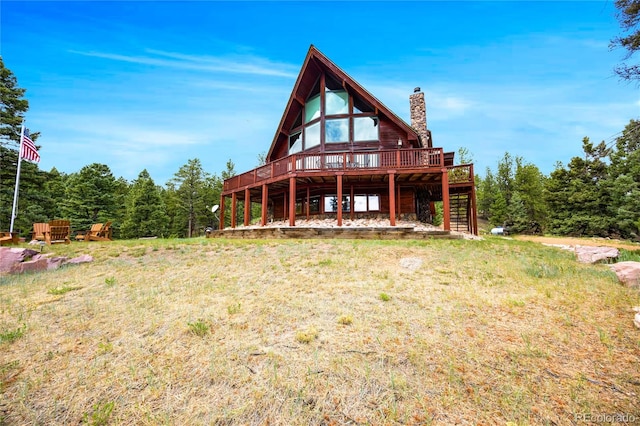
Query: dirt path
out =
(580, 241)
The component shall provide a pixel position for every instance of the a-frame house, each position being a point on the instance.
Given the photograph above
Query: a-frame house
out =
(339, 153)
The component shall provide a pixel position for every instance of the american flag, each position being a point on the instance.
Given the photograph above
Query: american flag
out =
(29, 151)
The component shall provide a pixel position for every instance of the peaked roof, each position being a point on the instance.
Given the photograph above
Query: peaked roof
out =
(315, 64)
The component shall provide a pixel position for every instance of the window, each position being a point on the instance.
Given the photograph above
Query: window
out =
(360, 203)
(312, 135)
(312, 109)
(336, 130)
(359, 106)
(336, 102)
(332, 116)
(366, 203)
(314, 205)
(365, 129)
(331, 203)
(374, 202)
(295, 143)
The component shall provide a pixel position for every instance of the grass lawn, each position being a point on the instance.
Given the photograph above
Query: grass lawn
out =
(299, 332)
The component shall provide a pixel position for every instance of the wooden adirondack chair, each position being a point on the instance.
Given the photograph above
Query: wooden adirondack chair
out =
(95, 229)
(8, 238)
(41, 232)
(60, 232)
(102, 234)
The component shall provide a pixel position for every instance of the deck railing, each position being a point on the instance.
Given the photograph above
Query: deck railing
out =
(460, 174)
(337, 161)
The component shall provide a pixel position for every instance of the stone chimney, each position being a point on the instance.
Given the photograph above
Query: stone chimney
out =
(419, 116)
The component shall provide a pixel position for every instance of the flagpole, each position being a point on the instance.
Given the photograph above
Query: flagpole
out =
(15, 192)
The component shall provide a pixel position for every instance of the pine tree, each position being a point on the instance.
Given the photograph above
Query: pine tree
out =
(90, 197)
(13, 106)
(190, 189)
(145, 210)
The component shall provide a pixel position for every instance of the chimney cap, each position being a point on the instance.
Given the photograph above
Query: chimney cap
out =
(416, 90)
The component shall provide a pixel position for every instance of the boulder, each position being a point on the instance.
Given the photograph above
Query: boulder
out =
(20, 260)
(10, 256)
(628, 273)
(588, 254)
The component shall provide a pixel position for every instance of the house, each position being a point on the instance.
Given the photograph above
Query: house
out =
(339, 153)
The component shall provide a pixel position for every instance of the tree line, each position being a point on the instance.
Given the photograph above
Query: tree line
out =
(141, 208)
(594, 195)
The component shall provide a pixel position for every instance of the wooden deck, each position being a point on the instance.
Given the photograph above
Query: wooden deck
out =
(414, 164)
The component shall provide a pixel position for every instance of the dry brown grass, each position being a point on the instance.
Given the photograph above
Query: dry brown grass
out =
(473, 332)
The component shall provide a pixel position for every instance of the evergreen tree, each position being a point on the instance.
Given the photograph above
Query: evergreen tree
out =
(90, 197)
(629, 17)
(504, 177)
(32, 202)
(577, 197)
(486, 194)
(498, 212)
(13, 106)
(145, 211)
(624, 182)
(529, 185)
(517, 215)
(190, 188)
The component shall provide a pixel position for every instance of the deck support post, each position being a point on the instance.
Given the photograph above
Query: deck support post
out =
(292, 201)
(265, 204)
(398, 201)
(446, 205)
(247, 207)
(221, 226)
(234, 207)
(474, 212)
(351, 212)
(308, 199)
(392, 199)
(339, 196)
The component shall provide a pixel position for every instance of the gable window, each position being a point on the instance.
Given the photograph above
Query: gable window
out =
(312, 135)
(312, 109)
(295, 143)
(365, 129)
(336, 130)
(337, 102)
(331, 115)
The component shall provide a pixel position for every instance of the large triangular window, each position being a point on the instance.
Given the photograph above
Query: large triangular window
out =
(332, 118)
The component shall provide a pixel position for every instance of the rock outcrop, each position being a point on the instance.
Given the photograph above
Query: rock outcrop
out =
(20, 260)
(588, 254)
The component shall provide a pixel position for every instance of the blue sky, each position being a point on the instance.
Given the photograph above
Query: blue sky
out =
(151, 84)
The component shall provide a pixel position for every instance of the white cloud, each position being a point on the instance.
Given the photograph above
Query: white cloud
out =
(243, 64)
